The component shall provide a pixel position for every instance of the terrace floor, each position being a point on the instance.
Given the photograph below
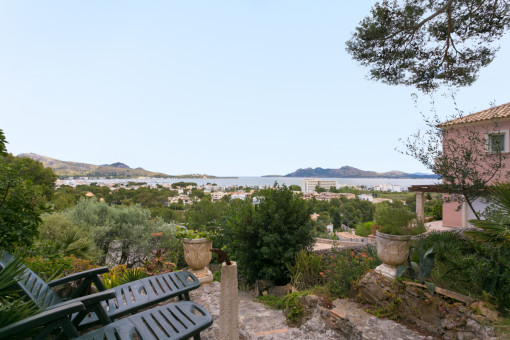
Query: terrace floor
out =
(258, 322)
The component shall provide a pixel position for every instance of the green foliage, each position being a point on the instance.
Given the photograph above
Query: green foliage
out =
(345, 267)
(60, 236)
(496, 229)
(469, 267)
(205, 213)
(122, 233)
(49, 268)
(428, 43)
(390, 311)
(305, 272)
(396, 220)
(120, 275)
(192, 234)
(3, 141)
(295, 187)
(12, 307)
(265, 238)
(183, 184)
(19, 205)
(419, 271)
(292, 304)
(364, 229)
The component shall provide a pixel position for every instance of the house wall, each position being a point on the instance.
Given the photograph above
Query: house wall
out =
(452, 215)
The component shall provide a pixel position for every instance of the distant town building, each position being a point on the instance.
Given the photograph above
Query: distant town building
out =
(330, 228)
(310, 184)
(388, 187)
(185, 199)
(217, 195)
(365, 197)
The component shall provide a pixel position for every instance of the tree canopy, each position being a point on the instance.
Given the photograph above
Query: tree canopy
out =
(426, 43)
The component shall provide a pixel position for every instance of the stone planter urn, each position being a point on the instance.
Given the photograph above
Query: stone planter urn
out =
(393, 251)
(197, 255)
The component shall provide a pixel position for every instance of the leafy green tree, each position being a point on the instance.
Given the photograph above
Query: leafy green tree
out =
(36, 172)
(19, 204)
(350, 214)
(123, 233)
(427, 43)
(205, 213)
(265, 238)
(295, 187)
(3, 141)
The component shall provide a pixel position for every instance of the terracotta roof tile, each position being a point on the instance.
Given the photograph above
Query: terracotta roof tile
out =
(496, 112)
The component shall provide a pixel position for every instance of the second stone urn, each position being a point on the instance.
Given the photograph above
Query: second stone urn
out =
(197, 255)
(393, 251)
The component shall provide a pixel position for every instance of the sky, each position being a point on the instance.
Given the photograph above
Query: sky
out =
(225, 88)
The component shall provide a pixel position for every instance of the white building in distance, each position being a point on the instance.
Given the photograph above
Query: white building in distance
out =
(309, 184)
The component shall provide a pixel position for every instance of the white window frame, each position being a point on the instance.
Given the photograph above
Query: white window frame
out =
(506, 140)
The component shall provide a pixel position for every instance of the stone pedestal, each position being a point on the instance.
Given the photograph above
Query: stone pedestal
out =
(203, 275)
(386, 270)
(229, 316)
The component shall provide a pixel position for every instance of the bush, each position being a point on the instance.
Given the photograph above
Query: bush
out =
(396, 220)
(345, 267)
(292, 304)
(265, 238)
(120, 275)
(305, 273)
(123, 233)
(470, 267)
(364, 229)
(49, 268)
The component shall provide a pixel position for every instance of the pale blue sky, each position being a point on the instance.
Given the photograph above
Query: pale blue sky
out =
(218, 87)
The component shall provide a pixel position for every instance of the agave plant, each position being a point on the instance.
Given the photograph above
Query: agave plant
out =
(495, 230)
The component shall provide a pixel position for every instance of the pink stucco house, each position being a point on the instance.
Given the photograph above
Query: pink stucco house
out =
(492, 127)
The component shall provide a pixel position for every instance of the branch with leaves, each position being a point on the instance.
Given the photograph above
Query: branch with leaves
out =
(428, 43)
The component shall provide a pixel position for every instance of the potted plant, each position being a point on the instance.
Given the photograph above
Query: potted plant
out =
(393, 238)
(197, 245)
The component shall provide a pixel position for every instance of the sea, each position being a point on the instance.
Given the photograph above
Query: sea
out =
(404, 183)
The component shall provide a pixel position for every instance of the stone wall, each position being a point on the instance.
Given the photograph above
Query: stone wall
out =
(438, 314)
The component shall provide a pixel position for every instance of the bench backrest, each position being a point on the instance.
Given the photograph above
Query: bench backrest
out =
(35, 288)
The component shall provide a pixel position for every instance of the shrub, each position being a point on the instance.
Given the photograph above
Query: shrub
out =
(345, 267)
(364, 229)
(470, 267)
(292, 304)
(49, 268)
(120, 274)
(264, 238)
(395, 220)
(305, 273)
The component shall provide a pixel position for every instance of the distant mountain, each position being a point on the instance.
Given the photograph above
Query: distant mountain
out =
(74, 169)
(350, 172)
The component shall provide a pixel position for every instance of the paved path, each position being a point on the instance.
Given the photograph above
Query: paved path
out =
(260, 323)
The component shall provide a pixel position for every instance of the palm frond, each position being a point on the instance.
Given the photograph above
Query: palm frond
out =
(9, 275)
(497, 233)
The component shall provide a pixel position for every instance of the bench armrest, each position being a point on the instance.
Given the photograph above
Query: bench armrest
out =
(88, 300)
(54, 315)
(77, 276)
